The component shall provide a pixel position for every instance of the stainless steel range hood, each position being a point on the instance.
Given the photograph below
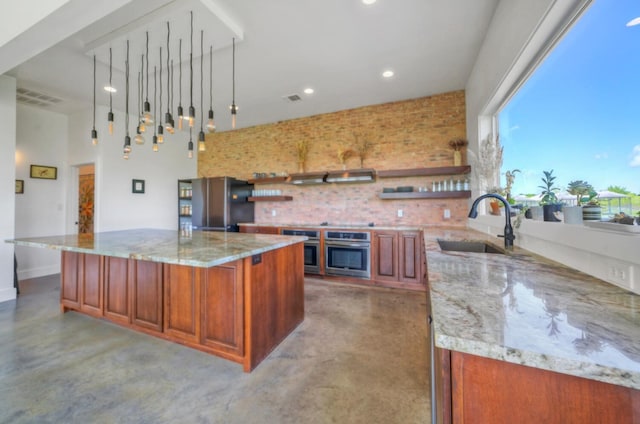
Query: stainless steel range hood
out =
(363, 175)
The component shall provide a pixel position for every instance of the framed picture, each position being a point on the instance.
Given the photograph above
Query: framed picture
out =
(137, 186)
(44, 172)
(19, 186)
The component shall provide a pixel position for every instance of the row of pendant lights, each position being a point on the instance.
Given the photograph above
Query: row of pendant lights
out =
(147, 119)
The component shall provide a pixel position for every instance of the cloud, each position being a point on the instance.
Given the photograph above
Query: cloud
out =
(601, 155)
(635, 160)
(514, 128)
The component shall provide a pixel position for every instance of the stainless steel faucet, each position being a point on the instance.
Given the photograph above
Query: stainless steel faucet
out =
(509, 237)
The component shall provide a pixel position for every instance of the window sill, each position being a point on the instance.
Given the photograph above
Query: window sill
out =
(608, 255)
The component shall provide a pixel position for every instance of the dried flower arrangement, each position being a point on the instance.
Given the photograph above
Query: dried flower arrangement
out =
(344, 154)
(362, 149)
(457, 144)
(302, 148)
(489, 159)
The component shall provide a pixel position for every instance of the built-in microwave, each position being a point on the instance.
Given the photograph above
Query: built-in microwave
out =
(311, 248)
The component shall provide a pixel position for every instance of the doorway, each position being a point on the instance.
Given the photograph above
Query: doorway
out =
(86, 190)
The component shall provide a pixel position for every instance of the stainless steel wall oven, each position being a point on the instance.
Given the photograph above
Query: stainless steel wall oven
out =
(311, 248)
(347, 253)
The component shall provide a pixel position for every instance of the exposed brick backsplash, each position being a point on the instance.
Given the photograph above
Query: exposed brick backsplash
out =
(407, 134)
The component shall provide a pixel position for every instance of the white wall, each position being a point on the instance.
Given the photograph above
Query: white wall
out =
(41, 139)
(7, 184)
(117, 207)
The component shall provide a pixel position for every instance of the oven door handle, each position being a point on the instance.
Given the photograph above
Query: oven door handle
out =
(367, 245)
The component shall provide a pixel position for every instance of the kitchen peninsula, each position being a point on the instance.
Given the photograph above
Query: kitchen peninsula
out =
(233, 295)
(519, 338)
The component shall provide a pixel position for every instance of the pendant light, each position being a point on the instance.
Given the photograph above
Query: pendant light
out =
(201, 145)
(180, 110)
(148, 119)
(160, 127)
(127, 139)
(172, 127)
(139, 139)
(94, 133)
(190, 148)
(155, 137)
(211, 125)
(168, 119)
(110, 90)
(234, 108)
(192, 110)
(142, 127)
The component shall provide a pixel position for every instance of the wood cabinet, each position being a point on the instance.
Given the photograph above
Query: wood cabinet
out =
(223, 309)
(474, 389)
(116, 289)
(146, 295)
(81, 287)
(398, 257)
(255, 229)
(182, 302)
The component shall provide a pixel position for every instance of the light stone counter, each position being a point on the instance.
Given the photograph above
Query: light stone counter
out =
(528, 310)
(336, 226)
(200, 249)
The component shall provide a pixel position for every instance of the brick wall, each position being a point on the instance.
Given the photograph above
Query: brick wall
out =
(406, 134)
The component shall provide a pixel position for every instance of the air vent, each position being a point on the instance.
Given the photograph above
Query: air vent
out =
(292, 98)
(33, 98)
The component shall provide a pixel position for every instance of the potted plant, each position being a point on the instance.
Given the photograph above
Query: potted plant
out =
(494, 203)
(579, 188)
(549, 201)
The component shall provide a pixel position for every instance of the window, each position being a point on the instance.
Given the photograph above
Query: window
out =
(578, 114)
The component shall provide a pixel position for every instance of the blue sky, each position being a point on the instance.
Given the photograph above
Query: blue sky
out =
(579, 113)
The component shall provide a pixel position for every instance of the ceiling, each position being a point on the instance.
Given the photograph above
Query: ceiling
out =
(337, 47)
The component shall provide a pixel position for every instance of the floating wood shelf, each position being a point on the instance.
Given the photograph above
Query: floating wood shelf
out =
(269, 180)
(426, 195)
(421, 172)
(270, 198)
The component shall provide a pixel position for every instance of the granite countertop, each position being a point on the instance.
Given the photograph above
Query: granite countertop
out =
(200, 249)
(525, 309)
(336, 226)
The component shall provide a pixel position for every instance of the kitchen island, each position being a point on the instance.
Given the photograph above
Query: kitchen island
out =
(519, 338)
(233, 295)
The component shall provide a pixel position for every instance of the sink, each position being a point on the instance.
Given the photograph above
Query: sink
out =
(468, 246)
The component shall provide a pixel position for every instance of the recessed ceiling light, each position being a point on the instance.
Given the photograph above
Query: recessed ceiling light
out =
(308, 90)
(387, 74)
(368, 2)
(110, 89)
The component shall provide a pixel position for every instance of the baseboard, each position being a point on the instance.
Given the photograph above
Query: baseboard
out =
(7, 294)
(25, 274)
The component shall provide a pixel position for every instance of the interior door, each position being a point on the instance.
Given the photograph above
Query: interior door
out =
(86, 195)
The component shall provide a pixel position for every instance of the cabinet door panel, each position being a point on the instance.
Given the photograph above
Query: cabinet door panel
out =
(69, 283)
(386, 255)
(116, 289)
(182, 302)
(410, 257)
(91, 282)
(146, 287)
(222, 308)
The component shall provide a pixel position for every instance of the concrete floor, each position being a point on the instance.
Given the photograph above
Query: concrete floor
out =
(360, 356)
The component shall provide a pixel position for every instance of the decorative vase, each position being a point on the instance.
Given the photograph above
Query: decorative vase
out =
(591, 213)
(301, 167)
(572, 215)
(457, 158)
(552, 212)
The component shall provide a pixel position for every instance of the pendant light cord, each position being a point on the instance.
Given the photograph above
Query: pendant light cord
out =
(154, 97)
(141, 85)
(160, 78)
(147, 55)
(180, 72)
(110, 84)
(211, 77)
(94, 92)
(191, 64)
(233, 73)
(201, 79)
(126, 108)
(168, 70)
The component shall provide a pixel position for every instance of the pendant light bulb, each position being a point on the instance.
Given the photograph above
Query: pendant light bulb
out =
(160, 134)
(180, 117)
(139, 138)
(142, 127)
(171, 126)
(192, 116)
(155, 143)
(94, 137)
(127, 145)
(211, 125)
(110, 119)
(234, 111)
(201, 146)
(190, 154)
